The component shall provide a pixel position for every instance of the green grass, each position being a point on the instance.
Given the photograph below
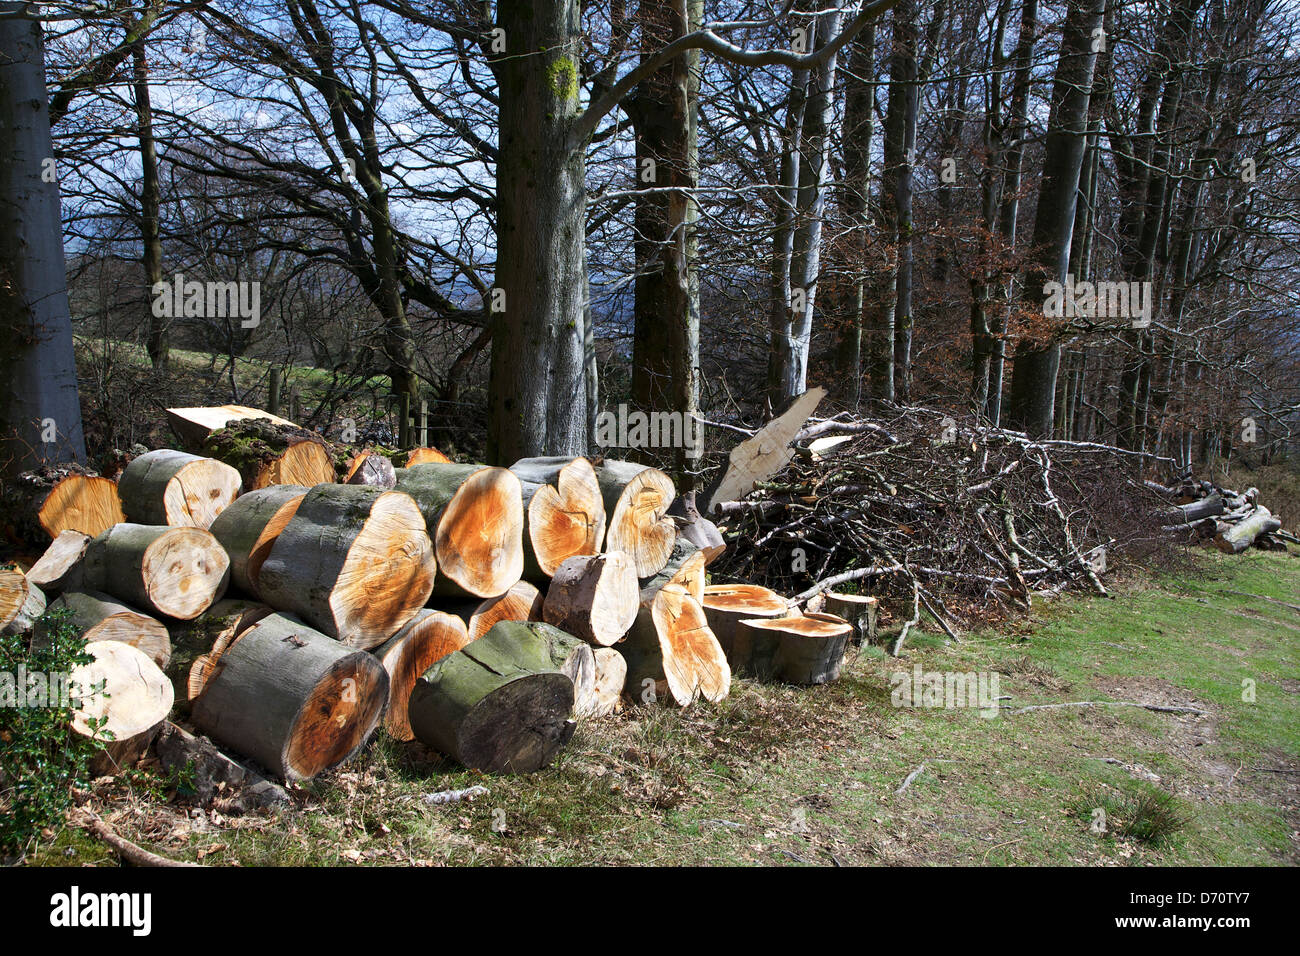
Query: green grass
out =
(780, 775)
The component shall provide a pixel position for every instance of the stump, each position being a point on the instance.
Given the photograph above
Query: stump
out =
(291, 698)
(59, 568)
(249, 528)
(21, 602)
(191, 640)
(858, 609)
(502, 703)
(176, 572)
(611, 677)
(475, 516)
(808, 649)
(270, 453)
(594, 597)
(40, 504)
(565, 514)
(726, 605)
(522, 602)
(637, 499)
(672, 654)
(176, 488)
(134, 702)
(428, 638)
(97, 617)
(354, 562)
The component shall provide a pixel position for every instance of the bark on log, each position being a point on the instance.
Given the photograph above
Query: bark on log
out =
(428, 638)
(858, 609)
(291, 698)
(1241, 535)
(1194, 511)
(249, 528)
(59, 568)
(637, 499)
(40, 504)
(475, 516)
(177, 488)
(21, 602)
(594, 597)
(354, 562)
(134, 701)
(176, 572)
(565, 513)
(97, 617)
(672, 654)
(611, 677)
(191, 640)
(702, 533)
(193, 425)
(270, 453)
(502, 704)
(215, 779)
(808, 649)
(726, 605)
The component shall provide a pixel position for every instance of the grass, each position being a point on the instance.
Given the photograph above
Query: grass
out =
(781, 775)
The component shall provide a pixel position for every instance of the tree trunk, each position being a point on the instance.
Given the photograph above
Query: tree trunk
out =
(858, 609)
(177, 572)
(176, 488)
(156, 344)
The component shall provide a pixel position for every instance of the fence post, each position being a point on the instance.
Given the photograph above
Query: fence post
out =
(273, 396)
(295, 406)
(424, 423)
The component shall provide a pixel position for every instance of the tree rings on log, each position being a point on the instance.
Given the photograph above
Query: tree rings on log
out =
(46, 501)
(671, 652)
(249, 527)
(726, 605)
(565, 512)
(21, 602)
(268, 453)
(98, 617)
(522, 602)
(177, 488)
(637, 499)
(176, 572)
(125, 689)
(428, 638)
(594, 597)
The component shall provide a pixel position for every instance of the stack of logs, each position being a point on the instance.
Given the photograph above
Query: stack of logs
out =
(1204, 512)
(286, 596)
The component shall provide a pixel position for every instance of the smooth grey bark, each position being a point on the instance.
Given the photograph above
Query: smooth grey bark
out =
(859, 129)
(38, 372)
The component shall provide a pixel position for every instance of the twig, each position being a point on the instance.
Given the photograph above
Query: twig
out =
(1160, 708)
(124, 848)
(916, 615)
(907, 781)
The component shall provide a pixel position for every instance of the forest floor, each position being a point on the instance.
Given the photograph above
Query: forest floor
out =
(780, 775)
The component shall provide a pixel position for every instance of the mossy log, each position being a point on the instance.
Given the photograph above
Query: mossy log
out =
(637, 499)
(564, 512)
(175, 572)
(475, 516)
(594, 597)
(428, 638)
(1243, 534)
(270, 453)
(291, 698)
(176, 488)
(249, 527)
(502, 704)
(193, 425)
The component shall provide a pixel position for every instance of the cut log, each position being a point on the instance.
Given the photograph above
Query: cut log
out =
(291, 698)
(637, 499)
(193, 425)
(422, 456)
(125, 690)
(594, 597)
(1241, 535)
(475, 516)
(249, 527)
(40, 504)
(761, 456)
(523, 602)
(611, 677)
(1194, 511)
(370, 468)
(98, 617)
(213, 778)
(565, 513)
(699, 531)
(502, 703)
(191, 640)
(59, 568)
(726, 605)
(177, 488)
(808, 649)
(21, 602)
(684, 569)
(672, 654)
(428, 638)
(858, 609)
(176, 572)
(272, 453)
(354, 562)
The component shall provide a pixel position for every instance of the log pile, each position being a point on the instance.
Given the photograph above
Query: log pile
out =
(1202, 512)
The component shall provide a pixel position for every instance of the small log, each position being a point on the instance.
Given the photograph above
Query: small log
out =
(354, 562)
(59, 568)
(97, 617)
(637, 499)
(1241, 535)
(502, 703)
(475, 516)
(1196, 510)
(565, 513)
(191, 640)
(40, 504)
(177, 488)
(726, 605)
(217, 780)
(611, 677)
(428, 638)
(176, 572)
(291, 698)
(671, 651)
(125, 689)
(594, 597)
(21, 602)
(193, 425)
(684, 568)
(370, 468)
(859, 610)
(808, 649)
(249, 528)
(266, 453)
(421, 456)
(523, 602)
